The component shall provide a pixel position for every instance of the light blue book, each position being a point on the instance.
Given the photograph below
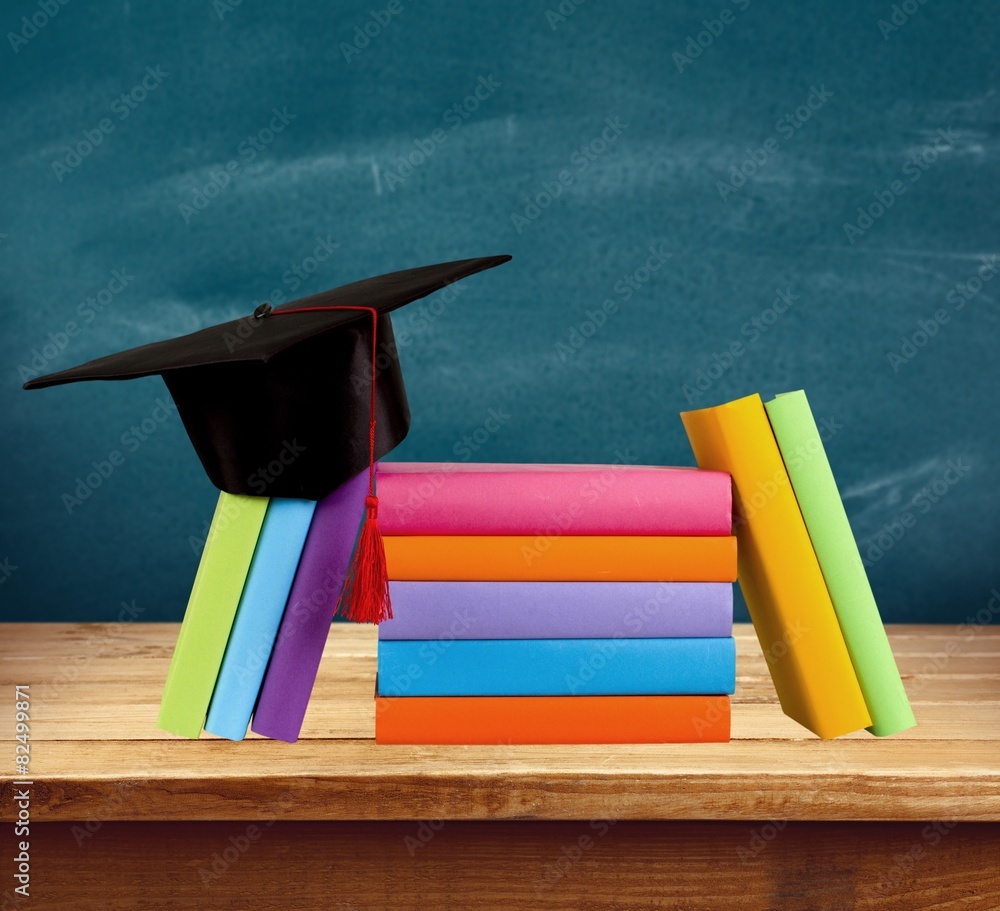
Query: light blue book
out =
(265, 594)
(556, 667)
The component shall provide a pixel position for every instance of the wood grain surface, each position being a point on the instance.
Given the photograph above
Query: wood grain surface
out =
(127, 817)
(573, 866)
(97, 752)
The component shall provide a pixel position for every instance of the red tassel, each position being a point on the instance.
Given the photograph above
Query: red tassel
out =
(365, 596)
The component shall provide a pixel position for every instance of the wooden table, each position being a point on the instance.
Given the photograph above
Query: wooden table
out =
(125, 816)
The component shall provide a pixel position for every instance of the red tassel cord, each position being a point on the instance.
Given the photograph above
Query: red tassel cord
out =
(365, 595)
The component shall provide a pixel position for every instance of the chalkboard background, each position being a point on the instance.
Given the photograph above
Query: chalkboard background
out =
(653, 114)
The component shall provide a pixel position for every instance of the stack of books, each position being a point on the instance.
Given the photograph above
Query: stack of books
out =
(799, 567)
(555, 604)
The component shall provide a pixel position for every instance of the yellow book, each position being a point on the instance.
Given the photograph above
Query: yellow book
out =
(778, 571)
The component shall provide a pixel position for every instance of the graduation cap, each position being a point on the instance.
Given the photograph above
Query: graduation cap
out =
(300, 385)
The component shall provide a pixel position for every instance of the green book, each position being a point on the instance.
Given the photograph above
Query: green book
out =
(837, 552)
(215, 595)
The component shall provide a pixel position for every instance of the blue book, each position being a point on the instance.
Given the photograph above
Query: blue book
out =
(265, 594)
(556, 667)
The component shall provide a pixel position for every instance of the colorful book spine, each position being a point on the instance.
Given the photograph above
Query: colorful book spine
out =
(826, 520)
(570, 558)
(552, 719)
(556, 667)
(208, 619)
(265, 594)
(298, 648)
(490, 499)
(552, 610)
(778, 571)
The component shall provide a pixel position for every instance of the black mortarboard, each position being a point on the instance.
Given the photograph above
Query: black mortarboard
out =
(294, 391)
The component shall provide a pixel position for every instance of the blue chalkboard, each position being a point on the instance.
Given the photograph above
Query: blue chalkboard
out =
(702, 200)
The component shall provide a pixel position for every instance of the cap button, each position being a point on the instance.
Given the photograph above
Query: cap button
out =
(263, 310)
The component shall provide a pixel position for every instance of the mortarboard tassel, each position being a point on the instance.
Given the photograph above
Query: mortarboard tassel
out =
(365, 595)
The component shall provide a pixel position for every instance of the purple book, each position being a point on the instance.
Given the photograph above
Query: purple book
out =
(305, 624)
(559, 610)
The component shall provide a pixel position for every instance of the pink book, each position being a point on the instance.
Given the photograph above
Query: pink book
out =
(445, 498)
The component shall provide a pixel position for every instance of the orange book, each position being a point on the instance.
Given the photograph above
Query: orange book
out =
(571, 558)
(551, 719)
